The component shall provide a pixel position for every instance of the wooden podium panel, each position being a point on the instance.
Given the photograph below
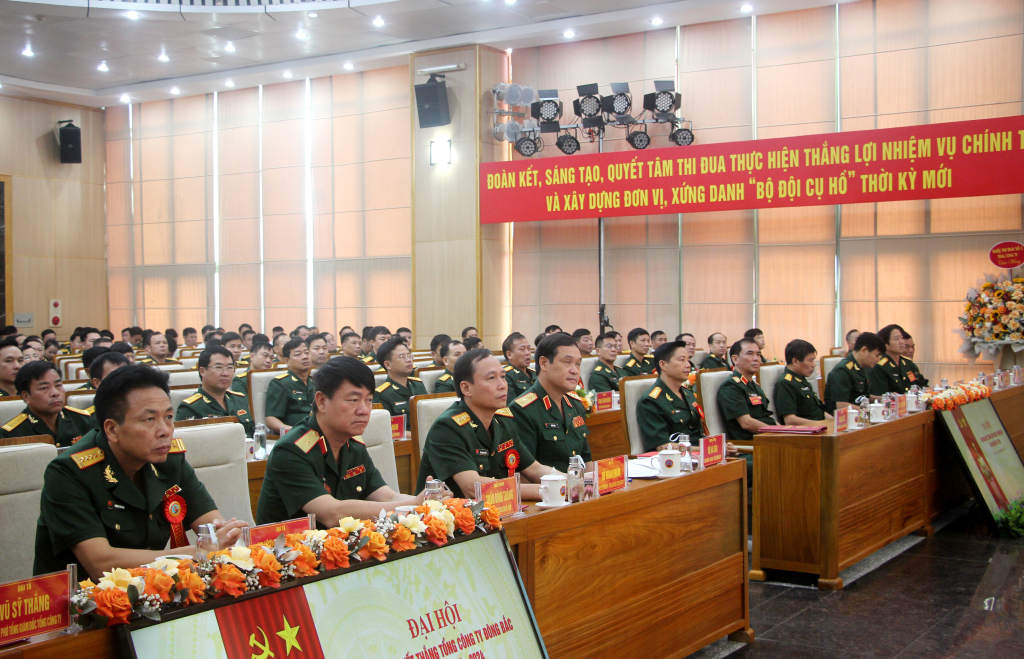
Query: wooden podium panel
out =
(607, 439)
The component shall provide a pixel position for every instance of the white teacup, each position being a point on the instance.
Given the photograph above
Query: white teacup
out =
(877, 411)
(852, 418)
(553, 489)
(667, 462)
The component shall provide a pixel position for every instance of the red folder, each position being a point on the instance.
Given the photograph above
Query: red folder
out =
(793, 430)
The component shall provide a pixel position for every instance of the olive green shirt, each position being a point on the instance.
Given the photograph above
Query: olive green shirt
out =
(888, 376)
(302, 467)
(661, 413)
(445, 383)
(846, 383)
(740, 395)
(793, 395)
(241, 384)
(633, 366)
(87, 495)
(519, 381)
(72, 425)
(288, 399)
(914, 375)
(713, 361)
(551, 435)
(4, 393)
(152, 362)
(201, 405)
(604, 378)
(458, 442)
(395, 398)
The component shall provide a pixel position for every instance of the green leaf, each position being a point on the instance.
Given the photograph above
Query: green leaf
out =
(363, 541)
(149, 613)
(133, 594)
(478, 507)
(98, 621)
(89, 607)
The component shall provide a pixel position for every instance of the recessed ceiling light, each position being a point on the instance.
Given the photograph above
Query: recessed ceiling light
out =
(175, 90)
(229, 83)
(311, 14)
(229, 47)
(379, 22)
(510, 2)
(125, 99)
(746, 9)
(508, 50)
(102, 67)
(348, 66)
(301, 34)
(1, 87)
(164, 58)
(28, 51)
(134, 15)
(568, 34)
(287, 74)
(656, 21)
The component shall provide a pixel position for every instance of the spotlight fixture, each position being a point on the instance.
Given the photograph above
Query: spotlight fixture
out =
(287, 74)
(164, 58)
(548, 110)
(175, 91)
(512, 131)
(311, 14)
(513, 94)
(620, 102)
(229, 47)
(567, 144)
(441, 152)
(639, 139)
(28, 51)
(746, 9)
(134, 15)
(664, 101)
(508, 50)
(568, 34)
(656, 21)
(125, 99)
(103, 67)
(588, 106)
(348, 66)
(229, 83)
(526, 146)
(681, 137)
(301, 34)
(378, 22)
(510, 2)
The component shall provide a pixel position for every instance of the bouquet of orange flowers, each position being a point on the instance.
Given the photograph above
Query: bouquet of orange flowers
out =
(957, 395)
(993, 316)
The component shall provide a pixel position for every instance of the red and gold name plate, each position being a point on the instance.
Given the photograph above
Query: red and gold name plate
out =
(901, 405)
(398, 427)
(713, 449)
(842, 419)
(267, 533)
(603, 402)
(34, 606)
(501, 495)
(611, 474)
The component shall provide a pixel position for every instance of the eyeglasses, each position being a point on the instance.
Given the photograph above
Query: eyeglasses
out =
(221, 368)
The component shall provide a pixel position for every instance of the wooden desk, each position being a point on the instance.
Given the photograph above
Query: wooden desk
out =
(1009, 404)
(823, 502)
(607, 439)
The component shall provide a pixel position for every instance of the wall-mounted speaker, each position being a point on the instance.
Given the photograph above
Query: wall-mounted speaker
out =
(69, 141)
(432, 103)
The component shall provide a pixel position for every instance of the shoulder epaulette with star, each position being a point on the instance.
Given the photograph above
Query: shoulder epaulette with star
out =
(789, 377)
(91, 410)
(88, 458)
(526, 399)
(508, 367)
(597, 369)
(177, 446)
(236, 393)
(193, 398)
(78, 411)
(415, 379)
(573, 394)
(15, 422)
(883, 361)
(849, 365)
(382, 388)
(282, 376)
(308, 441)
(631, 362)
(359, 439)
(655, 392)
(444, 378)
(735, 379)
(461, 418)
(504, 412)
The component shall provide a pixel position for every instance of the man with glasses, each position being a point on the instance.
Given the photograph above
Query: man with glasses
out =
(215, 397)
(400, 386)
(606, 375)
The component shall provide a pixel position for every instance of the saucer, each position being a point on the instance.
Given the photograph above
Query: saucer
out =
(541, 504)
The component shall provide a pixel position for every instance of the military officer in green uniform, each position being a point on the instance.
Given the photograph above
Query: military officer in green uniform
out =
(890, 373)
(349, 346)
(11, 359)
(290, 395)
(157, 351)
(261, 357)
(518, 375)
(39, 385)
(742, 402)
(849, 379)
(450, 353)
(215, 397)
(395, 392)
(551, 419)
(233, 342)
(914, 375)
(718, 346)
(103, 503)
(796, 404)
(639, 362)
(322, 466)
(669, 407)
(605, 376)
(476, 439)
(435, 349)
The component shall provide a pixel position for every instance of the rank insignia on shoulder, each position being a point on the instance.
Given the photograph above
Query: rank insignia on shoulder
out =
(382, 388)
(504, 412)
(849, 365)
(655, 392)
(508, 367)
(735, 379)
(573, 394)
(597, 369)
(282, 376)
(177, 446)
(88, 458)
(789, 377)
(526, 399)
(91, 410)
(461, 418)
(307, 441)
(359, 439)
(108, 474)
(15, 422)
(631, 362)
(444, 378)
(883, 361)
(193, 398)
(78, 411)
(415, 379)
(235, 393)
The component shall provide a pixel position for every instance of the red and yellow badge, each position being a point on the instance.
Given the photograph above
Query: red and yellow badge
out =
(174, 513)
(512, 461)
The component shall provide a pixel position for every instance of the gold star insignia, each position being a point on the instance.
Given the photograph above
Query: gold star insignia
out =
(108, 473)
(289, 635)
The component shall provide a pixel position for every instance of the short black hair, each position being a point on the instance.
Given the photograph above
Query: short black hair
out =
(122, 348)
(109, 357)
(111, 400)
(346, 335)
(50, 342)
(261, 338)
(92, 353)
(260, 345)
(135, 330)
(636, 333)
(538, 339)
(752, 332)
(509, 343)
(447, 347)
(711, 337)
(277, 329)
(208, 353)
(850, 333)
(314, 337)
(9, 342)
(472, 343)
(656, 333)
(465, 367)
(243, 325)
(552, 328)
(377, 331)
(230, 336)
(172, 346)
(212, 343)
(170, 333)
(680, 337)
(580, 333)
(292, 344)
(438, 340)
(737, 347)
(550, 344)
(279, 335)
(664, 352)
(31, 372)
(871, 341)
(47, 331)
(467, 330)
(248, 332)
(886, 332)
(388, 347)
(601, 338)
(906, 335)
(339, 370)
(798, 349)
(110, 335)
(188, 330)
(148, 341)
(403, 329)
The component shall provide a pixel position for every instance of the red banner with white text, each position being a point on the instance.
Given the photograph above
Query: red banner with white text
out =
(959, 159)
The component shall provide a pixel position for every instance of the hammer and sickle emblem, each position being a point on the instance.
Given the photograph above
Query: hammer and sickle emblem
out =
(264, 646)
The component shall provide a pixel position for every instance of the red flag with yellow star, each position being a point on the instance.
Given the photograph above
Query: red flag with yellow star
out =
(278, 626)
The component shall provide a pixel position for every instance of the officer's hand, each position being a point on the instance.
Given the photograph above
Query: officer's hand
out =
(731, 450)
(228, 532)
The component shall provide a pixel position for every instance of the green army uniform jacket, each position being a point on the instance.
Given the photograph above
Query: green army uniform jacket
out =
(72, 425)
(367, 357)
(662, 413)
(740, 395)
(888, 376)
(395, 398)
(914, 375)
(519, 381)
(288, 399)
(302, 467)
(152, 362)
(633, 366)
(713, 361)
(551, 436)
(4, 393)
(241, 384)
(445, 383)
(793, 395)
(605, 378)
(458, 442)
(202, 405)
(87, 495)
(846, 383)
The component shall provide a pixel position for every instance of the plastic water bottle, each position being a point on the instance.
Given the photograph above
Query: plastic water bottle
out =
(944, 384)
(206, 541)
(982, 379)
(259, 439)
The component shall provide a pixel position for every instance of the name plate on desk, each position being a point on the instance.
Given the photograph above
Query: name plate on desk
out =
(266, 534)
(603, 402)
(712, 450)
(398, 427)
(611, 474)
(34, 606)
(901, 405)
(502, 495)
(842, 417)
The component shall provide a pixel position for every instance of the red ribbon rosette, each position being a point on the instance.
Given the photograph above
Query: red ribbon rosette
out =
(174, 512)
(512, 461)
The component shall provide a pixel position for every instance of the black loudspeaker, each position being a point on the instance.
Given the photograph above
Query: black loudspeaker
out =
(432, 104)
(70, 139)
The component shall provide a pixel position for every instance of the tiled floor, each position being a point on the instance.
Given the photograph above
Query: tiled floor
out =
(957, 594)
